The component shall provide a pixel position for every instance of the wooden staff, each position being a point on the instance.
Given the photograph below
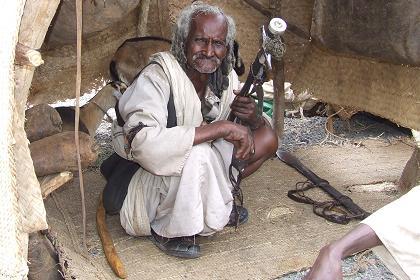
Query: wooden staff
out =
(107, 243)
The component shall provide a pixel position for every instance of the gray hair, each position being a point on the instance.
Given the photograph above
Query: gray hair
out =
(182, 30)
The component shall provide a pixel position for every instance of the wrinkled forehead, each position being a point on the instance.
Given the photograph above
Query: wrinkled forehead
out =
(207, 24)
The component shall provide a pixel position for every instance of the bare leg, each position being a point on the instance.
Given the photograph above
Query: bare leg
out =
(327, 266)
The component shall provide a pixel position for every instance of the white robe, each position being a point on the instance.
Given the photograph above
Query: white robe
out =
(398, 227)
(181, 189)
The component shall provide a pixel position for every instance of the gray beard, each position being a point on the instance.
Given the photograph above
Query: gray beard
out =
(205, 69)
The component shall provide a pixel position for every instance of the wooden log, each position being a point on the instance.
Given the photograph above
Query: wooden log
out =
(57, 153)
(42, 258)
(26, 56)
(259, 7)
(410, 176)
(294, 29)
(42, 121)
(411, 172)
(52, 182)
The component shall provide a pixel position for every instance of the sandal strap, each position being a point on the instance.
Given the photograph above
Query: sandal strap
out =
(243, 216)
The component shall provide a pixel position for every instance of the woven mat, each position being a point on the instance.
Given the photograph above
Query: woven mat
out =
(281, 236)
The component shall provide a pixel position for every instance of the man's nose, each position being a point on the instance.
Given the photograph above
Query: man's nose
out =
(209, 49)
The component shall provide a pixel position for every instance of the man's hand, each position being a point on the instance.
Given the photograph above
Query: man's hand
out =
(245, 109)
(240, 136)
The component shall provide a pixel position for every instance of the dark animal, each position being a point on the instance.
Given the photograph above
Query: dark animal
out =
(91, 114)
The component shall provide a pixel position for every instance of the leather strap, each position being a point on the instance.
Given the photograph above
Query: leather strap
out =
(330, 210)
(171, 121)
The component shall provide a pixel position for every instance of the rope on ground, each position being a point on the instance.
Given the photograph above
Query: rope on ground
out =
(329, 133)
(362, 262)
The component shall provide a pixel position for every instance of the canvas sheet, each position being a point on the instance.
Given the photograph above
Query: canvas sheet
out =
(385, 30)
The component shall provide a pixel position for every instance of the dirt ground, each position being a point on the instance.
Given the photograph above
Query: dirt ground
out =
(282, 237)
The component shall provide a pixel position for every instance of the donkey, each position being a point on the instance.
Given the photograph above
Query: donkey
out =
(92, 113)
(132, 55)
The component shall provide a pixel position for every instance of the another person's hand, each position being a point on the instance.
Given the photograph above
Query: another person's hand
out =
(327, 265)
(245, 109)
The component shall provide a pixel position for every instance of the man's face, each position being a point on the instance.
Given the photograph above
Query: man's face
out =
(206, 42)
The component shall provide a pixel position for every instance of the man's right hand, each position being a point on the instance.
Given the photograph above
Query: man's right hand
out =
(240, 136)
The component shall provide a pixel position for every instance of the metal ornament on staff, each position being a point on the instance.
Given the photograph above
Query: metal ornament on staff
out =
(272, 46)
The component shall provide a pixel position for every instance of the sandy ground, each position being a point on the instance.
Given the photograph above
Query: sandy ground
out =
(362, 127)
(304, 134)
(274, 244)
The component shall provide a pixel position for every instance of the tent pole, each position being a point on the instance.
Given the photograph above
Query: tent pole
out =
(278, 82)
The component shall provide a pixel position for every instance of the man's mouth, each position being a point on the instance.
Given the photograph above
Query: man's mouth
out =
(204, 64)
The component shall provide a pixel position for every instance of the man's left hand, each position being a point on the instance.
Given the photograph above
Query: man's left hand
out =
(245, 109)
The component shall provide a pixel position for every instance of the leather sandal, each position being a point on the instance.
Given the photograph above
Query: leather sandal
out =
(177, 247)
(243, 216)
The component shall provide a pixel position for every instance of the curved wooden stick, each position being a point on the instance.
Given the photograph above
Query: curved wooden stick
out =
(107, 243)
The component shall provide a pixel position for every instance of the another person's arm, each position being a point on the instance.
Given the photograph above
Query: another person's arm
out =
(328, 263)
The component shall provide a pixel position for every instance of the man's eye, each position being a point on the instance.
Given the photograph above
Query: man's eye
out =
(201, 40)
(219, 43)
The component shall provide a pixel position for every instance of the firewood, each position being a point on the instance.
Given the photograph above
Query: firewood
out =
(42, 121)
(26, 56)
(52, 182)
(410, 176)
(57, 153)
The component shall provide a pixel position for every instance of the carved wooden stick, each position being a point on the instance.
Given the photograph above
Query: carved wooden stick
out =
(107, 243)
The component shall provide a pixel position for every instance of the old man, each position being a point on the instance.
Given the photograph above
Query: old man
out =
(174, 125)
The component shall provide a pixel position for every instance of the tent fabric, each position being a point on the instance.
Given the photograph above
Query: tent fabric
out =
(13, 241)
(386, 90)
(385, 30)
